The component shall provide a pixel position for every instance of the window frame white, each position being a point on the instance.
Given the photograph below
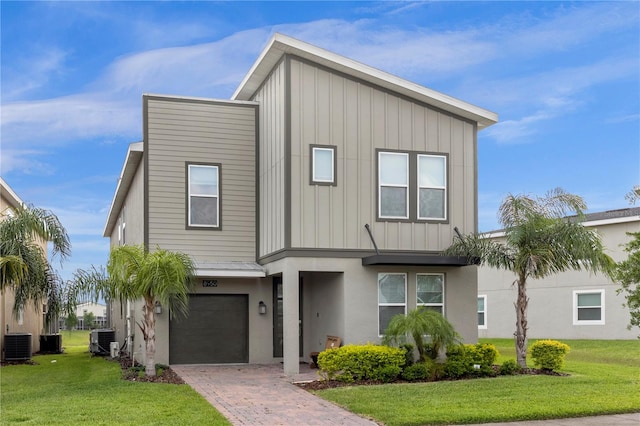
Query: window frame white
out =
(314, 180)
(483, 312)
(427, 305)
(443, 188)
(388, 185)
(576, 294)
(394, 304)
(218, 168)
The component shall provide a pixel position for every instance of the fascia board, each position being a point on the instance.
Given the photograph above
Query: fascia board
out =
(10, 195)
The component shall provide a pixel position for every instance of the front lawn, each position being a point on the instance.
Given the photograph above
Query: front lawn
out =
(604, 379)
(77, 388)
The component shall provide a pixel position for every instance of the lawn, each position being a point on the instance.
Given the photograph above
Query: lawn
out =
(604, 378)
(77, 388)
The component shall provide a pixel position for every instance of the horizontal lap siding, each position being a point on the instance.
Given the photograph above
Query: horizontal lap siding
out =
(329, 109)
(180, 132)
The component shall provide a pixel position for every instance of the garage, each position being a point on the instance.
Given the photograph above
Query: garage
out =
(215, 332)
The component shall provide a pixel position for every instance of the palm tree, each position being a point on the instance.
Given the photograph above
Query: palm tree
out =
(540, 240)
(420, 323)
(135, 273)
(24, 266)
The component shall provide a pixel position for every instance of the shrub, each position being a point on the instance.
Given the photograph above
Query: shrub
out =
(470, 360)
(408, 348)
(417, 371)
(361, 362)
(549, 354)
(509, 367)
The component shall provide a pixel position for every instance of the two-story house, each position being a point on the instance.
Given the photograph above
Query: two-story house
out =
(317, 201)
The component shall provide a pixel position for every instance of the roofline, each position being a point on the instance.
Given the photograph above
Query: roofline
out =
(200, 99)
(10, 194)
(131, 162)
(280, 44)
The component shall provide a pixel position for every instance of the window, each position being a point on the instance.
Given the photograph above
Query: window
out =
(430, 291)
(323, 165)
(393, 185)
(412, 186)
(588, 307)
(122, 228)
(432, 187)
(482, 312)
(392, 298)
(203, 199)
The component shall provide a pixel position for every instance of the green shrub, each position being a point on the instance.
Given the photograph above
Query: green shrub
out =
(549, 354)
(456, 367)
(509, 367)
(487, 353)
(417, 371)
(408, 356)
(361, 362)
(470, 360)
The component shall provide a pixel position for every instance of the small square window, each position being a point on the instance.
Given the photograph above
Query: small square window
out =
(323, 165)
(588, 307)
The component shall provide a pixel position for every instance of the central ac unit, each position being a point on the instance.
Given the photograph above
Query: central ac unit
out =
(99, 341)
(17, 346)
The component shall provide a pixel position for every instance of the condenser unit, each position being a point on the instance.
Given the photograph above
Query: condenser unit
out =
(17, 346)
(50, 344)
(99, 341)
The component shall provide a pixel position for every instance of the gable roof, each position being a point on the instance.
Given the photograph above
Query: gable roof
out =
(9, 194)
(280, 44)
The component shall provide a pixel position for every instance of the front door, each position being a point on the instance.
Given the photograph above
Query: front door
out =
(278, 317)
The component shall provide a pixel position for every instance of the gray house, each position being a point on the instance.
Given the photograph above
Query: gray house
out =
(317, 201)
(569, 305)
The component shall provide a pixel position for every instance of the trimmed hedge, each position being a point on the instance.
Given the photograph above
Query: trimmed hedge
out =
(362, 362)
(549, 354)
(470, 360)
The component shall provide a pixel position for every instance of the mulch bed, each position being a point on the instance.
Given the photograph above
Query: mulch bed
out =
(133, 374)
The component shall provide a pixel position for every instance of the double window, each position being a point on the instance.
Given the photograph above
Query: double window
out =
(412, 186)
(588, 307)
(323, 165)
(203, 196)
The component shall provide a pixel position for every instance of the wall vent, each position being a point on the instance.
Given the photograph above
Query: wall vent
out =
(99, 341)
(17, 346)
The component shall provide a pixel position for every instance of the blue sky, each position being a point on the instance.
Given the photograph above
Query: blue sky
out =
(564, 78)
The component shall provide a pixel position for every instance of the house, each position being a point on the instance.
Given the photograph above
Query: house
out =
(568, 305)
(30, 319)
(317, 201)
(99, 311)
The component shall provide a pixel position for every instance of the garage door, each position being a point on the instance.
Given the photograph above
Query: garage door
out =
(215, 332)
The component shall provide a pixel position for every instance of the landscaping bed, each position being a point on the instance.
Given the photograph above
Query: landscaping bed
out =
(134, 372)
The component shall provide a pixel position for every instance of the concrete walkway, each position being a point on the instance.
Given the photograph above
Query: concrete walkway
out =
(257, 395)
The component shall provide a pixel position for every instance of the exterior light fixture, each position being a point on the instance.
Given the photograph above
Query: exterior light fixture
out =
(262, 308)
(158, 307)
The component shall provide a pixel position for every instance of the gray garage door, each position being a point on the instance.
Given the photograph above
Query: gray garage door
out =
(215, 332)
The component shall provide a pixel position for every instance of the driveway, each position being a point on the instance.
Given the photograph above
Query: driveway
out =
(251, 394)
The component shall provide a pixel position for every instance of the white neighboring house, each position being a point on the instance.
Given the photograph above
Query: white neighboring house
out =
(98, 310)
(569, 305)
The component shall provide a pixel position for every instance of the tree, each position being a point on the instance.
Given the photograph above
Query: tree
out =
(24, 266)
(633, 195)
(540, 240)
(71, 321)
(88, 320)
(628, 275)
(135, 273)
(419, 323)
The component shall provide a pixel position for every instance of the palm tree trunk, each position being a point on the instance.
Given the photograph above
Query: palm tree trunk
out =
(521, 322)
(149, 338)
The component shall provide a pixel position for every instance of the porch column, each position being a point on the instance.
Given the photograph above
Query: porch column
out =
(290, 320)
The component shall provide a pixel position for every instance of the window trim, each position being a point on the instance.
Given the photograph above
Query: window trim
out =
(484, 313)
(576, 321)
(407, 186)
(444, 188)
(443, 291)
(188, 224)
(404, 305)
(413, 189)
(334, 165)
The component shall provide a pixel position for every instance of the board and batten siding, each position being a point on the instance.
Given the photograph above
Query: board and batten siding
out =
(272, 162)
(180, 131)
(329, 109)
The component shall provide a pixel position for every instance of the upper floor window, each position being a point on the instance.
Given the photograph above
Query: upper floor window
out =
(412, 186)
(588, 307)
(323, 164)
(203, 199)
(430, 291)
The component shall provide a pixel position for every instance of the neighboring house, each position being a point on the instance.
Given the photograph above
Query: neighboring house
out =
(270, 193)
(568, 305)
(98, 310)
(30, 319)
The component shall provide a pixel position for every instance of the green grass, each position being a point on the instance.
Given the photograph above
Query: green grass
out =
(604, 379)
(77, 388)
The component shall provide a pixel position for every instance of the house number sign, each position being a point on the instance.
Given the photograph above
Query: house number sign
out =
(209, 283)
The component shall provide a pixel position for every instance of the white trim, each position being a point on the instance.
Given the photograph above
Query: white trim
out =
(9, 194)
(404, 305)
(444, 188)
(484, 326)
(380, 184)
(612, 221)
(190, 194)
(313, 164)
(576, 321)
(221, 273)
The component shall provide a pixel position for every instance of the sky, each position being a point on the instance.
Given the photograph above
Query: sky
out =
(564, 78)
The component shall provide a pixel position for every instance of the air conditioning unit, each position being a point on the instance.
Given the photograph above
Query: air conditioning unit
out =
(50, 344)
(99, 341)
(17, 346)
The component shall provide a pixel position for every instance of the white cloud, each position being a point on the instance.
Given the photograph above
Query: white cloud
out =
(32, 72)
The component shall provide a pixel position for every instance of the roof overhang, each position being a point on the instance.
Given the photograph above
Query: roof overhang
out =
(229, 270)
(279, 45)
(10, 195)
(134, 156)
(416, 260)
